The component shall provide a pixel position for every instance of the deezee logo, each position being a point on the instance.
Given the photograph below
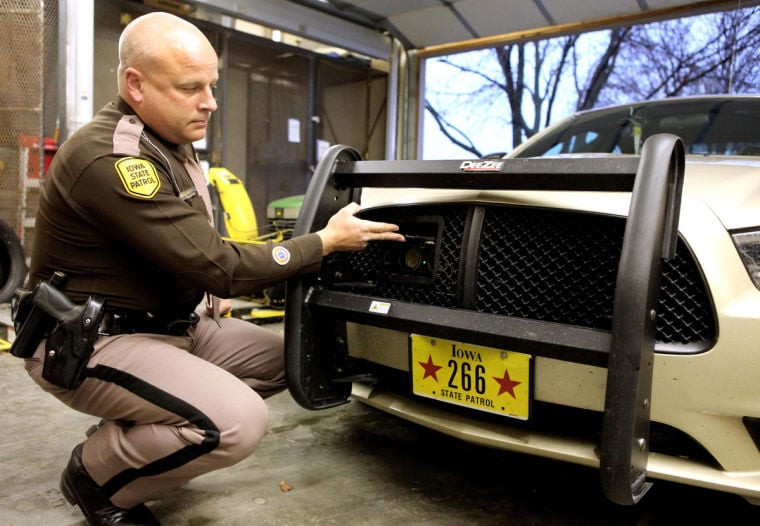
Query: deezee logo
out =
(481, 166)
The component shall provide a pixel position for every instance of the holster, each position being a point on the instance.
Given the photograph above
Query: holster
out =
(32, 324)
(71, 332)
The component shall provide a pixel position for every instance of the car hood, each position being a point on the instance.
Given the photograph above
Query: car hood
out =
(729, 186)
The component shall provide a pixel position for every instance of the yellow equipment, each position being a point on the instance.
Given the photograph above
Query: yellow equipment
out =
(241, 227)
(239, 218)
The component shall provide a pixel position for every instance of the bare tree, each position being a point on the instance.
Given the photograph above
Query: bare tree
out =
(498, 82)
(708, 54)
(527, 81)
(603, 69)
(539, 89)
(454, 134)
(523, 86)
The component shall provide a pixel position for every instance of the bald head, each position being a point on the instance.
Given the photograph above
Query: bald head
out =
(167, 73)
(150, 39)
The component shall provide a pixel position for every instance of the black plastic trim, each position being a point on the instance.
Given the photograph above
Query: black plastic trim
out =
(538, 338)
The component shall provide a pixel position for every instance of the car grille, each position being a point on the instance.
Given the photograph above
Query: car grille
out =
(534, 263)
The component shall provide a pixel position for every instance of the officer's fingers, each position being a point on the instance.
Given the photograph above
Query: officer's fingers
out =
(377, 231)
(343, 217)
(388, 236)
(350, 209)
(375, 227)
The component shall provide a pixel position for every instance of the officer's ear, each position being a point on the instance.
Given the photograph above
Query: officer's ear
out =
(133, 82)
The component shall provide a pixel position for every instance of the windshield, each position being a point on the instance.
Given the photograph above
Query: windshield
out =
(718, 127)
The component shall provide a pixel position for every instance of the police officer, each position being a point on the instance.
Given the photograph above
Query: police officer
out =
(123, 214)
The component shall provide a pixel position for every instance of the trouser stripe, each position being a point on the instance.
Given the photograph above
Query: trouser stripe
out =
(172, 404)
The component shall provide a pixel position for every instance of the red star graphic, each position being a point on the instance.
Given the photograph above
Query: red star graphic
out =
(431, 369)
(506, 384)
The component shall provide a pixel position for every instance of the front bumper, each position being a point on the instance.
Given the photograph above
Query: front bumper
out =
(558, 447)
(318, 367)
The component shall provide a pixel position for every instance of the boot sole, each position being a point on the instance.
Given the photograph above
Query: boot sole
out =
(67, 492)
(71, 498)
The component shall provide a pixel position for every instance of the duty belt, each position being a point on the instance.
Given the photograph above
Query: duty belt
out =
(131, 322)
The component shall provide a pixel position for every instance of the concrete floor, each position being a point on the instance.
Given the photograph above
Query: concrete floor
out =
(350, 465)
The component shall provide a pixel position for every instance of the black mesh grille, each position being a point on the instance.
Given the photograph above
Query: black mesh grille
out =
(539, 264)
(549, 265)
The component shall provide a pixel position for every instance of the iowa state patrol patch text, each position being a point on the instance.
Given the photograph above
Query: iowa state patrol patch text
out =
(138, 176)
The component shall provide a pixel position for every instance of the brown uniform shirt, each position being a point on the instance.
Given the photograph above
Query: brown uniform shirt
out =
(119, 214)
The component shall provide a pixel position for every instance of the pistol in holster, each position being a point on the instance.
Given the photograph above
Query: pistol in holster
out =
(71, 330)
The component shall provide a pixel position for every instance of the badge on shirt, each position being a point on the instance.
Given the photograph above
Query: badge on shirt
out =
(138, 176)
(281, 255)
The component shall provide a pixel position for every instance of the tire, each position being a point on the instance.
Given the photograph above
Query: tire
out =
(12, 262)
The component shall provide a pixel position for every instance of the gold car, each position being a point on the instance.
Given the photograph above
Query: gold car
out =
(593, 297)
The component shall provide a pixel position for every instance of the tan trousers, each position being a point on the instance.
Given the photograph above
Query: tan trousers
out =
(175, 406)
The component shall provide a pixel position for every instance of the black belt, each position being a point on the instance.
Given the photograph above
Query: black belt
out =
(131, 322)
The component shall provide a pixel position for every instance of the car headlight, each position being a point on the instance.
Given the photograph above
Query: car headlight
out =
(748, 245)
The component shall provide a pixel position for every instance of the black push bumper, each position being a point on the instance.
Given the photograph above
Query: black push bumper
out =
(315, 348)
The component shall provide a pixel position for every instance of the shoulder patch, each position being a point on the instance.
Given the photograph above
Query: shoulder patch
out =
(138, 176)
(281, 255)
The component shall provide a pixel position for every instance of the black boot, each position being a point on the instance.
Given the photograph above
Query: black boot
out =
(79, 489)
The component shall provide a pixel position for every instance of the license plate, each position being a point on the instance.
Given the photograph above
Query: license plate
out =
(483, 378)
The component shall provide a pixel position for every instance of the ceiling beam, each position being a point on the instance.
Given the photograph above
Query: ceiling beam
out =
(299, 19)
(550, 31)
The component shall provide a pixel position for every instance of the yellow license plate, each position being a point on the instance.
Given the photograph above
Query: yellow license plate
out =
(484, 378)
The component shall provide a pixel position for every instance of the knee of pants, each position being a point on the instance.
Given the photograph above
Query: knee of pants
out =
(245, 428)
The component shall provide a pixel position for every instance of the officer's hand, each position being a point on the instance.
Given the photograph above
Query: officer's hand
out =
(345, 231)
(225, 306)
